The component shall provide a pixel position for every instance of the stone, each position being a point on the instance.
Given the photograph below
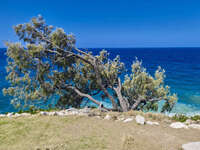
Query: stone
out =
(178, 125)
(120, 119)
(140, 120)
(61, 113)
(44, 113)
(82, 114)
(74, 113)
(188, 121)
(128, 120)
(107, 117)
(195, 126)
(152, 123)
(52, 114)
(72, 109)
(85, 110)
(9, 115)
(17, 115)
(25, 114)
(2, 115)
(191, 146)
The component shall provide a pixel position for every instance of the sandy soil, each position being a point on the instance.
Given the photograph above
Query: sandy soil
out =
(89, 133)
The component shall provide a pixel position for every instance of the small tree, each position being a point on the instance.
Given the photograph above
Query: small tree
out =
(144, 91)
(49, 64)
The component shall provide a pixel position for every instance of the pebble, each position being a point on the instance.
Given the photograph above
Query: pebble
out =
(9, 114)
(191, 146)
(152, 123)
(178, 125)
(44, 113)
(195, 126)
(140, 120)
(107, 117)
(128, 120)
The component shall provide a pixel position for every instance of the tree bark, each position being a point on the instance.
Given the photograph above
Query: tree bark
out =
(84, 95)
(123, 102)
(99, 81)
(87, 96)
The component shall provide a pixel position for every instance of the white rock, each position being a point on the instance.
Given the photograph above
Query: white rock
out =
(188, 121)
(74, 113)
(191, 146)
(128, 120)
(152, 123)
(178, 125)
(71, 109)
(120, 119)
(44, 113)
(107, 117)
(25, 114)
(196, 126)
(9, 114)
(61, 113)
(85, 110)
(2, 115)
(140, 120)
(52, 114)
(17, 115)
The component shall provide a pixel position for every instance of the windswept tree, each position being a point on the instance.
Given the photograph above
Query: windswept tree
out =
(46, 63)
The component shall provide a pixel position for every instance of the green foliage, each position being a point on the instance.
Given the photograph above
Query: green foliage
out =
(183, 118)
(36, 69)
(149, 90)
(195, 118)
(180, 118)
(48, 64)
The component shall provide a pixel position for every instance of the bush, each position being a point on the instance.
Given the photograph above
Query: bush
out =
(180, 118)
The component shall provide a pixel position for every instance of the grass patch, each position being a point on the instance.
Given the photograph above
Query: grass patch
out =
(89, 133)
(195, 118)
(183, 118)
(180, 118)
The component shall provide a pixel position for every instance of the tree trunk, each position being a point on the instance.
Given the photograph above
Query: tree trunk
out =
(99, 81)
(123, 102)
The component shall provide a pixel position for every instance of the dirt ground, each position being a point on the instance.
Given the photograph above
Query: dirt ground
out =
(89, 133)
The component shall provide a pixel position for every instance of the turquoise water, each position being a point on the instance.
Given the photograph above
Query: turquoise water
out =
(182, 67)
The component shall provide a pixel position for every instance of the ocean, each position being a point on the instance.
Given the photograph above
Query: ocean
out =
(182, 66)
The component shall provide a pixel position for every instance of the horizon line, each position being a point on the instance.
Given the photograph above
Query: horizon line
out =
(131, 47)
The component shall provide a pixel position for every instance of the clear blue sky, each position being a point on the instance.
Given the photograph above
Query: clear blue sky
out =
(111, 23)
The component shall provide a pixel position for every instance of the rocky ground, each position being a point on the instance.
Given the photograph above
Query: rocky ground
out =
(91, 129)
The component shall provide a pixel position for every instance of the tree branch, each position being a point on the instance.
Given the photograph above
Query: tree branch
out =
(136, 104)
(87, 96)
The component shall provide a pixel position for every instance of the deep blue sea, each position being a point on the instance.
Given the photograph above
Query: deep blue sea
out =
(182, 66)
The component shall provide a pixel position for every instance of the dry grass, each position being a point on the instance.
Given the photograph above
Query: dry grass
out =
(89, 133)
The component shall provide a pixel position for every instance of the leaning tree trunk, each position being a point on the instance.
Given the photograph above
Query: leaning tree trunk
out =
(99, 81)
(123, 102)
